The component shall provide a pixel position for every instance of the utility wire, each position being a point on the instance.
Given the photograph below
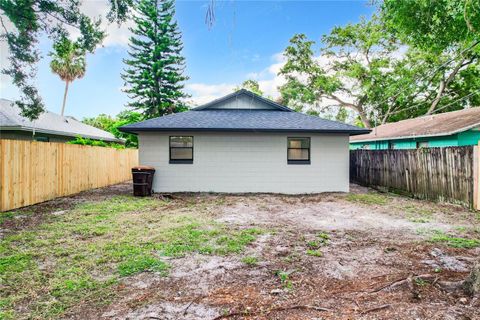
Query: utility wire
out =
(436, 70)
(461, 99)
(441, 108)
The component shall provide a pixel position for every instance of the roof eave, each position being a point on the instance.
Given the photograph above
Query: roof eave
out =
(60, 133)
(442, 134)
(263, 130)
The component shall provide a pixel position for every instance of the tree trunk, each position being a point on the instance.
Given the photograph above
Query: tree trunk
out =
(64, 98)
(443, 85)
(364, 118)
(357, 107)
(472, 283)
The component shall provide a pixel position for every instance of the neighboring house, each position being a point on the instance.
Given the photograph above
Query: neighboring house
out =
(245, 143)
(48, 127)
(456, 128)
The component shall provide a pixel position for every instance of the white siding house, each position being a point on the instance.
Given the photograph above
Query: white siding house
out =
(245, 143)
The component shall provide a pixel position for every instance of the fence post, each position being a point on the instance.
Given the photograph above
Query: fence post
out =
(476, 177)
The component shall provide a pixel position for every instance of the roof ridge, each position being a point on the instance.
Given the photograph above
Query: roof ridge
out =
(240, 92)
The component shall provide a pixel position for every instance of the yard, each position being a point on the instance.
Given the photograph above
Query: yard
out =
(364, 255)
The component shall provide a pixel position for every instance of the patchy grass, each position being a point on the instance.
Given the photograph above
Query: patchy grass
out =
(250, 261)
(9, 215)
(314, 253)
(368, 198)
(417, 214)
(141, 263)
(453, 241)
(82, 254)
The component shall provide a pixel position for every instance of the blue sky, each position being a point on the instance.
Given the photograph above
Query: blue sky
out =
(245, 42)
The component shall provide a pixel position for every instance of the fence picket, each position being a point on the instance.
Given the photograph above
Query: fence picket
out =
(445, 174)
(33, 172)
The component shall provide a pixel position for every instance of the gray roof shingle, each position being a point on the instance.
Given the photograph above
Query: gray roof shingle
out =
(212, 118)
(49, 122)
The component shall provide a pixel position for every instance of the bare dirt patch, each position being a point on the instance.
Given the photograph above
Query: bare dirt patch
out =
(328, 256)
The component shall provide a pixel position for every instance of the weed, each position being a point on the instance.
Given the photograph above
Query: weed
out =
(368, 198)
(324, 236)
(313, 244)
(322, 240)
(250, 261)
(284, 277)
(420, 282)
(315, 253)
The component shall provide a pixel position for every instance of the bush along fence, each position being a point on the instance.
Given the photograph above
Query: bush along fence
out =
(441, 174)
(33, 172)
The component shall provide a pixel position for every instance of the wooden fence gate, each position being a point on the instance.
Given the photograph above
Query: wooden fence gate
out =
(444, 174)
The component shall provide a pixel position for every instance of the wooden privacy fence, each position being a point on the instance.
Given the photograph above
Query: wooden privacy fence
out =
(444, 174)
(33, 172)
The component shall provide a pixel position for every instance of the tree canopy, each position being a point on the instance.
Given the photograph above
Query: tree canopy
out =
(154, 73)
(68, 62)
(251, 85)
(403, 62)
(29, 20)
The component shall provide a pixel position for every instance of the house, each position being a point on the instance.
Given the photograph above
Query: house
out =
(48, 127)
(450, 129)
(245, 143)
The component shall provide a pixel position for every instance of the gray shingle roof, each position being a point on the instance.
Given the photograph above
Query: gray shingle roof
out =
(50, 123)
(242, 120)
(212, 118)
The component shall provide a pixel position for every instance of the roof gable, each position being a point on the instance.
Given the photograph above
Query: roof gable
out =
(242, 100)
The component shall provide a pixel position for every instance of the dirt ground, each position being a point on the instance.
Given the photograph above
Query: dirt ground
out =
(326, 256)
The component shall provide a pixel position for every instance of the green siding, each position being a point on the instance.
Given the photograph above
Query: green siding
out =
(466, 138)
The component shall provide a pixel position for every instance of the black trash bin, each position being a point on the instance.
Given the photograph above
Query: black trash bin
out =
(142, 181)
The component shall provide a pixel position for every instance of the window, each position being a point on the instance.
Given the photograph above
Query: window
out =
(181, 149)
(298, 151)
(40, 138)
(422, 144)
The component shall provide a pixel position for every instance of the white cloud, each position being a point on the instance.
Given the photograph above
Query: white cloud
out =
(203, 93)
(117, 35)
(267, 78)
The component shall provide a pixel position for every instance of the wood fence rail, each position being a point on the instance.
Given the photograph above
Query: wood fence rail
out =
(33, 172)
(443, 174)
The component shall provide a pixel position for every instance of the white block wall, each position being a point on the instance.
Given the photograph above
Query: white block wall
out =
(247, 162)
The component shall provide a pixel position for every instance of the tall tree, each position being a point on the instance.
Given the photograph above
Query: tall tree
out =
(251, 85)
(356, 60)
(68, 61)
(154, 73)
(446, 33)
(23, 22)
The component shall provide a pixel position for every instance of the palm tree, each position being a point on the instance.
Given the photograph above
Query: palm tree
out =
(68, 61)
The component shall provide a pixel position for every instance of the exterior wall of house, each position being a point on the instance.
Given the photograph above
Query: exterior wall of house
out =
(247, 162)
(466, 138)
